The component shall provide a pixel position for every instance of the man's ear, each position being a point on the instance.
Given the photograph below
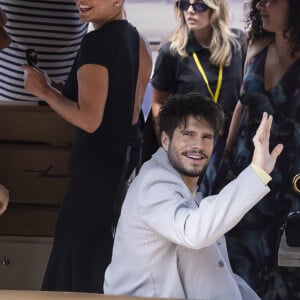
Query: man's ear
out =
(165, 140)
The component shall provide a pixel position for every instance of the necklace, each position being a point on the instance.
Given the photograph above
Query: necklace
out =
(215, 96)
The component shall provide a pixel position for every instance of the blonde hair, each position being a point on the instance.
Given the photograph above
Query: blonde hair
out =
(222, 37)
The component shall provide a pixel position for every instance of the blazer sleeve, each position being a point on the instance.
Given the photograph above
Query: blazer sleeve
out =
(166, 210)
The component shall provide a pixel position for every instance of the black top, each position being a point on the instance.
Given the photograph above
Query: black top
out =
(175, 74)
(115, 46)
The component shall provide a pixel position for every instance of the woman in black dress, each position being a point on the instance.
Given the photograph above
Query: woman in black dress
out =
(101, 98)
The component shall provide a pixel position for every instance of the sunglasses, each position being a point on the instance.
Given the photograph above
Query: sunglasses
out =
(198, 7)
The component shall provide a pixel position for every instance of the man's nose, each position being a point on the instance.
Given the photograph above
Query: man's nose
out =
(198, 144)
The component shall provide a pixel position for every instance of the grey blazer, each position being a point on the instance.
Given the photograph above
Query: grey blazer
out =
(170, 243)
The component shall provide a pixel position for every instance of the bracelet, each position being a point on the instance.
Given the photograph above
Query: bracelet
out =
(296, 183)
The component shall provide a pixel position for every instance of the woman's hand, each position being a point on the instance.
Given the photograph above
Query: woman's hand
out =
(36, 82)
(59, 85)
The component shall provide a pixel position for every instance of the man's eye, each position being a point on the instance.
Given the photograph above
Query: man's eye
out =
(188, 133)
(208, 137)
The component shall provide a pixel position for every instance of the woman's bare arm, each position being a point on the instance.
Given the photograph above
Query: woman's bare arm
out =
(158, 99)
(234, 126)
(145, 68)
(87, 113)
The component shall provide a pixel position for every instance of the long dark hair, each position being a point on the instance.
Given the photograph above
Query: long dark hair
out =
(291, 31)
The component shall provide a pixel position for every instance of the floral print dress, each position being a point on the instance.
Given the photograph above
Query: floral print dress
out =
(253, 243)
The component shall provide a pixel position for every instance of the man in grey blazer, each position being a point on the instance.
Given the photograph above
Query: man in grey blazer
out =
(169, 241)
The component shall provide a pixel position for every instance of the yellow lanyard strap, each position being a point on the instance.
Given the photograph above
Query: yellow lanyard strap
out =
(215, 96)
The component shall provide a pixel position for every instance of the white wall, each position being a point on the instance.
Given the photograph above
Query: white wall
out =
(155, 18)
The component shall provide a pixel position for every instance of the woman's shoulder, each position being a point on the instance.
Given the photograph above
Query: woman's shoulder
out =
(239, 41)
(110, 28)
(165, 52)
(165, 47)
(110, 34)
(239, 33)
(256, 47)
(91, 35)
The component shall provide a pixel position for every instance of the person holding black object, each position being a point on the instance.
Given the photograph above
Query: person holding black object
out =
(52, 29)
(102, 97)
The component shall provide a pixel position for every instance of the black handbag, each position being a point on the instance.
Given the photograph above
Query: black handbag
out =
(292, 229)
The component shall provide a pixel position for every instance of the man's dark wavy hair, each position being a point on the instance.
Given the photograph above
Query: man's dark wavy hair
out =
(256, 30)
(178, 108)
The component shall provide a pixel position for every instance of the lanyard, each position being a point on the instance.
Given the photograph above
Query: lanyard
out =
(215, 96)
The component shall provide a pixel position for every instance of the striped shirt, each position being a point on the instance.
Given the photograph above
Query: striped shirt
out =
(52, 28)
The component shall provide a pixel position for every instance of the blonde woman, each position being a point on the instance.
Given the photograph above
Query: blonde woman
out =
(205, 56)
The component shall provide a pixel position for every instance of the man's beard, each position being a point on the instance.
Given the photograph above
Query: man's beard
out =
(175, 161)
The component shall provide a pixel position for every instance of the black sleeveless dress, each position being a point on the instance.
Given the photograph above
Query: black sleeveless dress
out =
(83, 238)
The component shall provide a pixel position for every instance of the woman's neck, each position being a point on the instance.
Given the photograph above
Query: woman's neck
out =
(283, 49)
(119, 16)
(203, 36)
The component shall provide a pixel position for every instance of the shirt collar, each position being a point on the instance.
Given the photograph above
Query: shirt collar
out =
(193, 46)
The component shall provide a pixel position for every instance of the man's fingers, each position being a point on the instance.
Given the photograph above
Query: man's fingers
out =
(264, 128)
(265, 124)
(263, 121)
(261, 128)
(276, 151)
(268, 126)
